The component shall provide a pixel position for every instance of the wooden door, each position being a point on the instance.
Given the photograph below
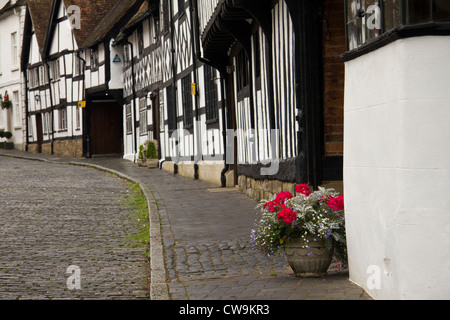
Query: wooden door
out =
(156, 118)
(39, 132)
(106, 128)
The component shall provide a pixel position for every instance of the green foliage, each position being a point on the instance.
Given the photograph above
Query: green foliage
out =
(5, 134)
(139, 218)
(151, 151)
(141, 152)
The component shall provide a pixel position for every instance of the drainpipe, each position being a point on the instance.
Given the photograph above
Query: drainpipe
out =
(51, 103)
(133, 85)
(27, 112)
(87, 151)
(174, 71)
(195, 44)
(223, 178)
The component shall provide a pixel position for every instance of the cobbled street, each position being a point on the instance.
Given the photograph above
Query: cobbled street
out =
(53, 216)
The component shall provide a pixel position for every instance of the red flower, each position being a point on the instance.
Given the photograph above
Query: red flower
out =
(303, 189)
(336, 203)
(283, 196)
(271, 205)
(279, 200)
(287, 215)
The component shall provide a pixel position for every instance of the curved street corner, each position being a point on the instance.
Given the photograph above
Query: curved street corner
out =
(66, 234)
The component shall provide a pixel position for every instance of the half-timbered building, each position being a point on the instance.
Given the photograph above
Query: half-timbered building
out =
(172, 96)
(74, 86)
(238, 92)
(284, 82)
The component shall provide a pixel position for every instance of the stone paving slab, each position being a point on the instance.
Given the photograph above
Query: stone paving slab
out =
(205, 234)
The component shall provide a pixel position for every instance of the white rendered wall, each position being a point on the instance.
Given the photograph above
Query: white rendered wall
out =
(397, 169)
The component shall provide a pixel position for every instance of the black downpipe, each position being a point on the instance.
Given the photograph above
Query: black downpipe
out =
(27, 112)
(134, 98)
(53, 107)
(195, 44)
(223, 178)
(174, 72)
(86, 147)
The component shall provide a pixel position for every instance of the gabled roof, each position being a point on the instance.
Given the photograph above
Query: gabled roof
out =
(40, 12)
(9, 5)
(102, 18)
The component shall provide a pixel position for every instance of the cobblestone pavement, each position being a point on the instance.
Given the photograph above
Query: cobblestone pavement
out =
(53, 216)
(208, 256)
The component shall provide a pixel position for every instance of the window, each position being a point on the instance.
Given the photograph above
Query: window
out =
(33, 78)
(154, 29)
(368, 19)
(126, 55)
(128, 123)
(1, 59)
(143, 116)
(43, 75)
(257, 60)
(242, 75)
(186, 91)
(62, 114)
(180, 6)
(94, 59)
(54, 70)
(165, 15)
(171, 107)
(16, 109)
(210, 93)
(45, 123)
(77, 118)
(140, 40)
(77, 65)
(14, 51)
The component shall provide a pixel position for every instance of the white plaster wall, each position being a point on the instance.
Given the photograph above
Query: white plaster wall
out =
(397, 169)
(10, 75)
(116, 81)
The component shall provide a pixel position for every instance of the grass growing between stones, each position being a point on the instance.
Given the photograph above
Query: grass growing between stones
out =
(139, 219)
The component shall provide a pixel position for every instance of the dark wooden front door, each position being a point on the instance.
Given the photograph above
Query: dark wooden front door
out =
(156, 118)
(39, 132)
(106, 128)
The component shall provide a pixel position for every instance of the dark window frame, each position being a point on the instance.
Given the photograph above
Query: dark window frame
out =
(396, 16)
(186, 93)
(211, 98)
(171, 107)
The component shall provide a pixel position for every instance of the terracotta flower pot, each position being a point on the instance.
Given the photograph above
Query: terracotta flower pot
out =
(311, 261)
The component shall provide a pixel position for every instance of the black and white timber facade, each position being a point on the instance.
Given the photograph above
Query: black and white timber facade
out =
(232, 91)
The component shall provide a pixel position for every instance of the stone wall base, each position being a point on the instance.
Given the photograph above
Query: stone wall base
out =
(72, 148)
(268, 189)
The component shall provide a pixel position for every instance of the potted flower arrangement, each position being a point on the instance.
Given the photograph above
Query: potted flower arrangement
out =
(308, 227)
(6, 103)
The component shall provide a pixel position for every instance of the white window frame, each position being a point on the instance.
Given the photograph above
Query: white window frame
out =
(14, 51)
(17, 110)
(143, 119)
(62, 117)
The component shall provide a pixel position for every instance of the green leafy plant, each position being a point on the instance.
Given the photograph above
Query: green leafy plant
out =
(151, 151)
(5, 134)
(141, 152)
